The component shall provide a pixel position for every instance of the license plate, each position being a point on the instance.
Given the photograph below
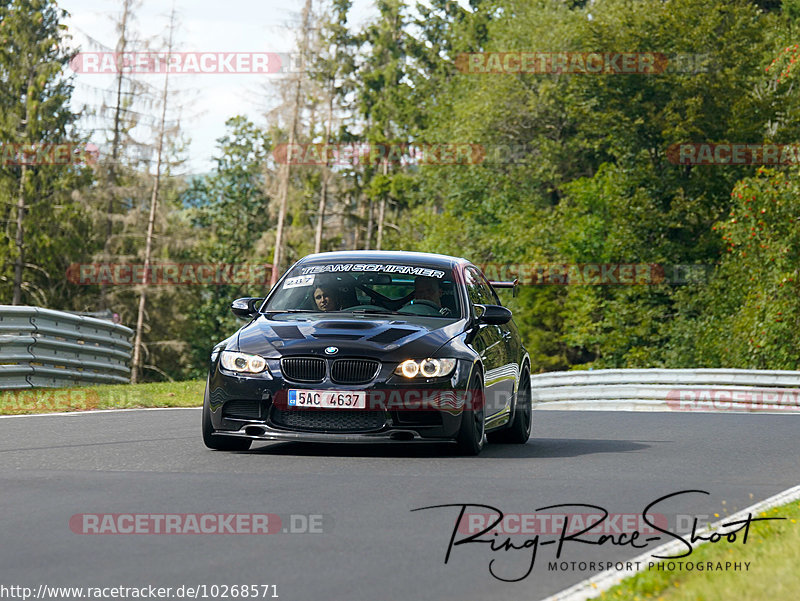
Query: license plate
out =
(328, 399)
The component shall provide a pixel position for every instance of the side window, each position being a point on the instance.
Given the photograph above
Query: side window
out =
(495, 299)
(478, 288)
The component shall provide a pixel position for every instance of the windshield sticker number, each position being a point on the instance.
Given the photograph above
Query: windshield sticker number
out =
(299, 281)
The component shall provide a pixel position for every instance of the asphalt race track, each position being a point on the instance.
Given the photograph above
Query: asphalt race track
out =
(373, 547)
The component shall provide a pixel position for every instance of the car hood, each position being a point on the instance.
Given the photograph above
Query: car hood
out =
(368, 336)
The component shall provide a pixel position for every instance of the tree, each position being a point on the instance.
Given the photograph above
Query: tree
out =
(746, 311)
(286, 170)
(385, 102)
(333, 68)
(161, 138)
(227, 217)
(35, 113)
(576, 168)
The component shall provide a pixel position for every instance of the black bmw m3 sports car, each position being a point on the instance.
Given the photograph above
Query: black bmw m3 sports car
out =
(371, 346)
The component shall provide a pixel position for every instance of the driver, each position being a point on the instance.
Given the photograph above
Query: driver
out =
(429, 289)
(325, 298)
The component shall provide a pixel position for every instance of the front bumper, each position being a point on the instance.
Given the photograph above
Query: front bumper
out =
(390, 435)
(245, 407)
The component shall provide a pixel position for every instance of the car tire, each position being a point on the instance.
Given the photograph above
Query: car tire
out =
(472, 433)
(519, 430)
(217, 442)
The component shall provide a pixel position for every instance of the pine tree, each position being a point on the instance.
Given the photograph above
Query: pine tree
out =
(35, 113)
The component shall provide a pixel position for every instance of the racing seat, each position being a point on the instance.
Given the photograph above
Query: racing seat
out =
(347, 296)
(449, 301)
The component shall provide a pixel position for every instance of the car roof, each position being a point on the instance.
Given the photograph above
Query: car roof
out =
(414, 258)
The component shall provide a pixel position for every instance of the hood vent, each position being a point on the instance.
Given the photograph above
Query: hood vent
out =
(390, 335)
(345, 325)
(337, 336)
(288, 332)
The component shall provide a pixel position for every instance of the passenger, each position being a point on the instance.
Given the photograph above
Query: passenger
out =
(326, 299)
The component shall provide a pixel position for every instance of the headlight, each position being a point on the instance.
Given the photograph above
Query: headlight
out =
(426, 368)
(242, 362)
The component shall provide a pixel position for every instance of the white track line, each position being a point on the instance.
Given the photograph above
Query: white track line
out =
(74, 413)
(647, 406)
(548, 406)
(592, 587)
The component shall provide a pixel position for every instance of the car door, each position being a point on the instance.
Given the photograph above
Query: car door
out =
(491, 346)
(509, 336)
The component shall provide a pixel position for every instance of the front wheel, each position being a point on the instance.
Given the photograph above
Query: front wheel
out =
(472, 434)
(219, 443)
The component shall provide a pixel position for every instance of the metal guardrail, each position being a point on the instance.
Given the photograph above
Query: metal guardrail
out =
(46, 348)
(676, 389)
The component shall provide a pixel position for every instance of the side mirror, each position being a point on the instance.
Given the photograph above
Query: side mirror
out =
(493, 315)
(246, 308)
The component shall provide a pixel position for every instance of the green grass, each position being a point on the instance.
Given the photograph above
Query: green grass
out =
(117, 396)
(773, 550)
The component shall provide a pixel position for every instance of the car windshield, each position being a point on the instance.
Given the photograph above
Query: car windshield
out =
(373, 288)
